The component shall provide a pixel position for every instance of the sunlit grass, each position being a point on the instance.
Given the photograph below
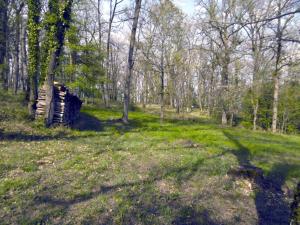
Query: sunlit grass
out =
(141, 173)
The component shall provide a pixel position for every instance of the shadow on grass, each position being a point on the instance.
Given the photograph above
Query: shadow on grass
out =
(144, 200)
(271, 205)
(21, 136)
(87, 122)
(27, 137)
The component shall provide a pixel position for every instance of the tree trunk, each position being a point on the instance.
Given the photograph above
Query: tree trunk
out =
(108, 70)
(255, 110)
(57, 39)
(224, 118)
(130, 60)
(275, 103)
(3, 42)
(177, 105)
(34, 10)
(231, 119)
(99, 23)
(102, 85)
(50, 90)
(144, 91)
(210, 92)
(17, 50)
(162, 93)
(225, 92)
(200, 99)
(162, 80)
(162, 84)
(277, 71)
(24, 62)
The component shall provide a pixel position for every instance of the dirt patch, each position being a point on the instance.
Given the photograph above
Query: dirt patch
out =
(186, 144)
(165, 187)
(45, 161)
(247, 172)
(244, 186)
(229, 201)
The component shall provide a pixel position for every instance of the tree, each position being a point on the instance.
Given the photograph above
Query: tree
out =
(130, 65)
(255, 33)
(280, 28)
(220, 14)
(234, 61)
(167, 20)
(58, 20)
(3, 42)
(112, 14)
(34, 11)
(18, 6)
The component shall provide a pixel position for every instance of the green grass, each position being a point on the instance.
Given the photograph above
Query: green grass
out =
(104, 172)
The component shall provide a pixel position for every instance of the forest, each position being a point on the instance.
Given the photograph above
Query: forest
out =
(236, 61)
(150, 112)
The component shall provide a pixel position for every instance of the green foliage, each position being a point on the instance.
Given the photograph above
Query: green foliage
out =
(264, 115)
(34, 26)
(56, 21)
(288, 109)
(81, 66)
(3, 67)
(11, 107)
(246, 124)
(73, 38)
(266, 106)
(89, 73)
(247, 112)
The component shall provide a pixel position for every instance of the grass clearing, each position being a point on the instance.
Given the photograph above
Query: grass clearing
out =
(103, 172)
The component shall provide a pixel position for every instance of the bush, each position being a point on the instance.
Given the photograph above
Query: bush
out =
(11, 107)
(246, 124)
